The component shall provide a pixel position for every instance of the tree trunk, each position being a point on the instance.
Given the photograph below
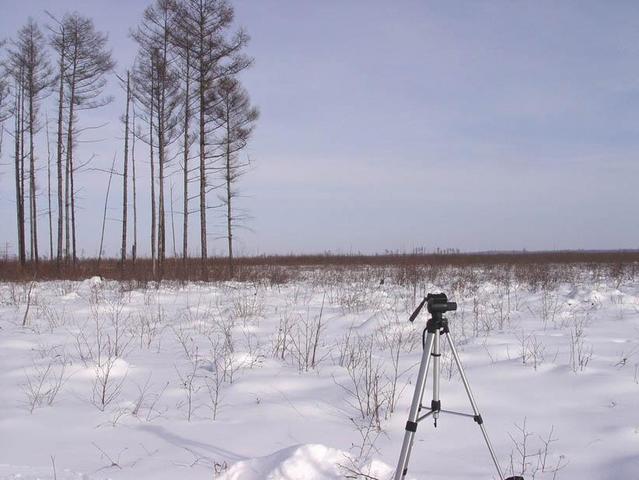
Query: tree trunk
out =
(67, 216)
(187, 119)
(162, 83)
(49, 191)
(73, 224)
(161, 161)
(106, 204)
(19, 169)
(134, 248)
(173, 223)
(229, 218)
(126, 167)
(32, 183)
(70, 203)
(22, 176)
(153, 217)
(203, 183)
(59, 155)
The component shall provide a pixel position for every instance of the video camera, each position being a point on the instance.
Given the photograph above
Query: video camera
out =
(437, 303)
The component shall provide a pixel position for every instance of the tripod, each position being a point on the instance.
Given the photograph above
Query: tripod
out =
(437, 326)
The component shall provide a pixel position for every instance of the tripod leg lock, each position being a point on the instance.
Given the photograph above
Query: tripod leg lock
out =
(411, 426)
(478, 419)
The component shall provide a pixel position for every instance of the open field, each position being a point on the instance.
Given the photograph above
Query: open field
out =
(192, 193)
(304, 371)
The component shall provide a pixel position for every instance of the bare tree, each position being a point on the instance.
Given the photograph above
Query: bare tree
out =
(125, 185)
(238, 118)
(134, 247)
(213, 57)
(18, 134)
(59, 42)
(156, 70)
(183, 41)
(183, 85)
(49, 211)
(31, 69)
(144, 94)
(88, 62)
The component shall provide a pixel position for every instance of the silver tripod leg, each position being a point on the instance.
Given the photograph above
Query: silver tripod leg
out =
(411, 425)
(478, 418)
(435, 405)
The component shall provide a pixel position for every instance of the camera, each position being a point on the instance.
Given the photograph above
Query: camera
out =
(438, 303)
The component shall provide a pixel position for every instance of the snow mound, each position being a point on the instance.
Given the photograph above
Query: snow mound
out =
(300, 462)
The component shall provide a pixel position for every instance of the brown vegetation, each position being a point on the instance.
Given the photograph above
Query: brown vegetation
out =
(528, 267)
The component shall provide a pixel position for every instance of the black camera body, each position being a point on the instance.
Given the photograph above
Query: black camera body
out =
(438, 303)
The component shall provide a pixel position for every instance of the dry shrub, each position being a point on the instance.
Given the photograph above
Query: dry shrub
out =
(536, 269)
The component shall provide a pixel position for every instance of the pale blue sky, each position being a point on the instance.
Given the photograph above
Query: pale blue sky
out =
(394, 125)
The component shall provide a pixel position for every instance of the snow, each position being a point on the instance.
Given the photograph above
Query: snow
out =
(313, 462)
(109, 380)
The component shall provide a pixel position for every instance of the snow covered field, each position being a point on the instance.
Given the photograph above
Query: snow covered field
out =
(313, 379)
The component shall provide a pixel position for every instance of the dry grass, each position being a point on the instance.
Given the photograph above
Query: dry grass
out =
(531, 267)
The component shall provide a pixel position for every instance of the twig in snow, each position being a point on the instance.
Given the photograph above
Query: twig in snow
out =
(26, 312)
(108, 457)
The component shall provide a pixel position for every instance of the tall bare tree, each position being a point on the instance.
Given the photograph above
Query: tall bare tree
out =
(216, 54)
(125, 170)
(183, 41)
(144, 81)
(29, 64)
(87, 63)
(134, 247)
(238, 118)
(59, 42)
(49, 210)
(160, 93)
(18, 135)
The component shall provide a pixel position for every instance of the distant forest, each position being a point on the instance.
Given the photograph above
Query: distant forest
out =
(186, 115)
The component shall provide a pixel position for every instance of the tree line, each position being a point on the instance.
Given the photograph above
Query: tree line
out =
(184, 103)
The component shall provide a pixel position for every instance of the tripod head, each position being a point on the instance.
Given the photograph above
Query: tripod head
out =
(437, 304)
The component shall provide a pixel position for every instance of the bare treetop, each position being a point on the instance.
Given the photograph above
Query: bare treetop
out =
(89, 60)
(28, 61)
(5, 91)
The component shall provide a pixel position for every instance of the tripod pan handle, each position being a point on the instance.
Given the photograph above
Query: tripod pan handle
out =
(417, 310)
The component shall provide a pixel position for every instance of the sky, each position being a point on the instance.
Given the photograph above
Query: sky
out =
(390, 126)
